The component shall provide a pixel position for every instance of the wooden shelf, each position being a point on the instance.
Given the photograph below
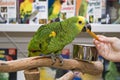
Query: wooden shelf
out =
(34, 27)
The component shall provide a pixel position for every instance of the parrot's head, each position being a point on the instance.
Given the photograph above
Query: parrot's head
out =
(83, 24)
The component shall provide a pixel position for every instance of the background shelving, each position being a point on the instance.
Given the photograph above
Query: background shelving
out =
(34, 27)
(19, 27)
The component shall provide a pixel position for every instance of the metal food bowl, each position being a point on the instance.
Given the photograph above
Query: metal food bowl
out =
(86, 52)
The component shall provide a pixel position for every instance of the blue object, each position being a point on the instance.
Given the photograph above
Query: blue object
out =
(50, 2)
(77, 78)
(65, 56)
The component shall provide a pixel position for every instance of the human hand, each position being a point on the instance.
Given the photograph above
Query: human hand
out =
(108, 47)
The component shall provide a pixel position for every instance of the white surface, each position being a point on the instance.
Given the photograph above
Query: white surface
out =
(105, 27)
(34, 27)
(19, 27)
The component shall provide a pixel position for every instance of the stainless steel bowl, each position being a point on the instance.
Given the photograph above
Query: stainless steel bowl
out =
(86, 52)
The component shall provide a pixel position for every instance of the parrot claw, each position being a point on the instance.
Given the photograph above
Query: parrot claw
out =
(53, 57)
(60, 59)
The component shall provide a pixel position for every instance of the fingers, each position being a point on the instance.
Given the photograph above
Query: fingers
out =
(100, 44)
(106, 39)
(101, 47)
(102, 38)
(97, 43)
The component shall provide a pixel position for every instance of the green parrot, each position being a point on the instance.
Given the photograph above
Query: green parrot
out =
(112, 73)
(54, 10)
(83, 8)
(51, 38)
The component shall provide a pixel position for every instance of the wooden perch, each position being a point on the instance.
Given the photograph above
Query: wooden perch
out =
(93, 68)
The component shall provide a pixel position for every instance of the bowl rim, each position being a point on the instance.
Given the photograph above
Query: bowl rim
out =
(84, 44)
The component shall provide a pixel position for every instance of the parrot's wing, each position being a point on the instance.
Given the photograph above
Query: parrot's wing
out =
(43, 37)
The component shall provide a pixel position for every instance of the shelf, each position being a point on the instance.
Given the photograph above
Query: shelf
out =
(105, 27)
(18, 27)
(34, 27)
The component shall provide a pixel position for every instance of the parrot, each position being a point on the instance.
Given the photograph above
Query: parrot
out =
(112, 72)
(54, 11)
(51, 38)
(83, 8)
(25, 10)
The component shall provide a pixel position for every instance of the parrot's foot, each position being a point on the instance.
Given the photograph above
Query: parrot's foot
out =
(55, 56)
(52, 56)
(60, 59)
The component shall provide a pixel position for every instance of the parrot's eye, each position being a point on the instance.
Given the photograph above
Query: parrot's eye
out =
(80, 22)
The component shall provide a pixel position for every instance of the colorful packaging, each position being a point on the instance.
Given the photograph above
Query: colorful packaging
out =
(8, 11)
(8, 54)
(60, 10)
(33, 11)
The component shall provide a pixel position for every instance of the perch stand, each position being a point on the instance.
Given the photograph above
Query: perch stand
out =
(93, 68)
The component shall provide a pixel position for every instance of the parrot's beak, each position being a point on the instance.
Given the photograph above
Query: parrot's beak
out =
(87, 26)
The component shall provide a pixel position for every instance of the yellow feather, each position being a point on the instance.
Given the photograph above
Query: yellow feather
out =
(57, 7)
(80, 27)
(52, 34)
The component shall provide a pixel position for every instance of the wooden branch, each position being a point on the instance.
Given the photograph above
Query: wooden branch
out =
(93, 68)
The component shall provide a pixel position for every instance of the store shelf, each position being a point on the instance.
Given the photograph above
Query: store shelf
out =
(34, 27)
(18, 27)
(105, 27)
